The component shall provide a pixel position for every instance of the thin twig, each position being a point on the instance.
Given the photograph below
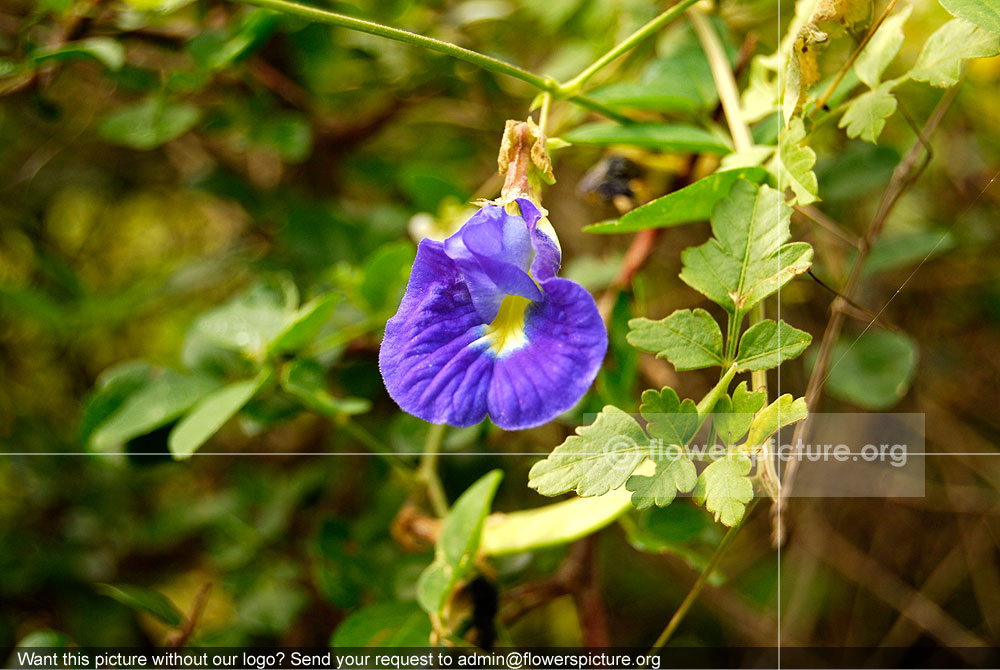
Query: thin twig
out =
(902, 178)
(692, 595)
(821, 103)
(427, 472)
(198, 606)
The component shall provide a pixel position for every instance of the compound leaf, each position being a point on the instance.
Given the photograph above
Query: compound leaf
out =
(669, 420)
(866, 115)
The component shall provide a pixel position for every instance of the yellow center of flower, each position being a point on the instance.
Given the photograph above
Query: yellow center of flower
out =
(506, 332)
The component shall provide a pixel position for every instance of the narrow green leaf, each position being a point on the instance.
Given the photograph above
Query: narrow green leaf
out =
(767, 344)
(689, 339)
(458, 543)
(306, 324)
(782, 412)
(463, 526)
(865, 116)
(555, 524)
(109, 52)
(598, 459)
(659, 136)
(386, 624)
(732, 416)
(144, 600)
(156, 404)
(983, 13)
(940, 61)
(149, 124)
(671, 421)
(114, 386)
(306, 380)
(209, 415)
(691, 203)
(724, 488)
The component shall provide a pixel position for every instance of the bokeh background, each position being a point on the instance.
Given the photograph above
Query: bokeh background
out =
(196, 149)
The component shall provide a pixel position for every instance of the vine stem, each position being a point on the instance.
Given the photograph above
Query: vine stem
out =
(577, 82)
(482, 60)
(699, 584)
(427, 472)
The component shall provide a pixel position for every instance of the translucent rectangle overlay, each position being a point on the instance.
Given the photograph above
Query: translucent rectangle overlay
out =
(838, 455)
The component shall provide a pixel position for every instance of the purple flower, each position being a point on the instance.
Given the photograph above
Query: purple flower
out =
(487, 328)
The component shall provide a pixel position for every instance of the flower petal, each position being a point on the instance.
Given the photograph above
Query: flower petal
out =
(493, 251)
(432, 357)
(566, 343)
(548, 255)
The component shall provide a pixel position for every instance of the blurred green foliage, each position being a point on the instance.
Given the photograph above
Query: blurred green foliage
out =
(204, 210)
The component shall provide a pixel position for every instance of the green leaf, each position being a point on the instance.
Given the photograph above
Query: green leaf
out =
(659, 136)
(388, 624)
(881, 49)
(793, 163)
(598, 459)
(144, 600)
(673, 473)
(732, 416)
(458, 543)
(384, 275)
(680, 82)
(691, 203)
(669, 420)
(940, 61)
(555, 524)
(156, 404)
(210, 413)
(149, 124)
(305, 325)
(107, 51)
(248, 323)
(434, 585)
(782, 412)
(43, 638)
(865, 116)
(113, 388)
(724, 488)
(746, 260)
(306, 380)
(803, 69)
(900, 251)
(873, 371)
(689, 339)
(463, 526)
(983, 13)
(768, 344)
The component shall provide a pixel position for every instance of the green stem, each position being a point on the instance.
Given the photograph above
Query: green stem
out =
(332, 18)
(725, 83)
(695, 591)
(577, 82)
(364, 437)
(486, 62)
(427, 472)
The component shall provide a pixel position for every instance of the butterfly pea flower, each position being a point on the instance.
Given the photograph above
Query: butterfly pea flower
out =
(486, 328)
